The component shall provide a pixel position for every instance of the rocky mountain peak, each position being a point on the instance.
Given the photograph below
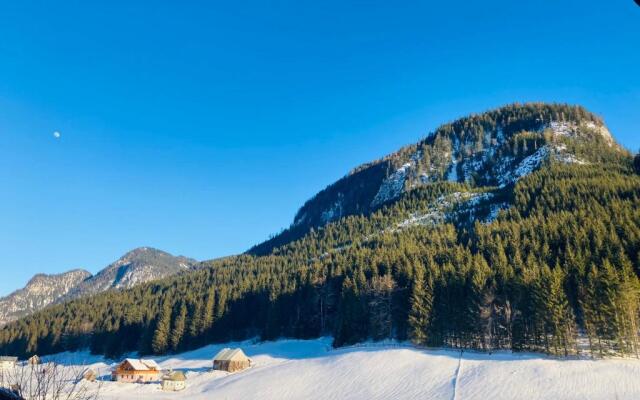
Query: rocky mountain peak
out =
(137, 266)
(41, 291)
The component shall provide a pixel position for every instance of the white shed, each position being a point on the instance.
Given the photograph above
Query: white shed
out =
(174, 381)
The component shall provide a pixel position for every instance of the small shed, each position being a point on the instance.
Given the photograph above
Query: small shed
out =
(89, 375)
(174, 381)
(7, 362)
(34, 360)
(231, 360)
(136, 371)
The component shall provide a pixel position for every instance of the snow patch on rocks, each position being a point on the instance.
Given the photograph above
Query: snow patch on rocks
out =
(391, 187)
(334, 212)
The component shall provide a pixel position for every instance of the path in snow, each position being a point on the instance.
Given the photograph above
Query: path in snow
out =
(456, 378)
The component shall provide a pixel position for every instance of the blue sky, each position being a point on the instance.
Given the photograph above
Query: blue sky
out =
(201, 128)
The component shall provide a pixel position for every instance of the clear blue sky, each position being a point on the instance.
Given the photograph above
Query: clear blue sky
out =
(201, 128)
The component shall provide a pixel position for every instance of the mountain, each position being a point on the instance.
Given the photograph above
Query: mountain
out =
(517, 228)
(137, 266)
(41, 291)
(493, 149)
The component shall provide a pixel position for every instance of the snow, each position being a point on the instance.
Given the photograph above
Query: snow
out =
(334, 212)
(142, 364)
(311, 369)
(530, 163)
(494, 210)
(453, 171)
(391, 187)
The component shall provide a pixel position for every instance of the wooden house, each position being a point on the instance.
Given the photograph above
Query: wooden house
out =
(7, 363)
(136, 371)
(231, 360)
(174, 381)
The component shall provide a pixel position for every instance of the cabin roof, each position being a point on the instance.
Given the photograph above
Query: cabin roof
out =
(228, 354)
(8, 359)
(142, 364)
(175, 376)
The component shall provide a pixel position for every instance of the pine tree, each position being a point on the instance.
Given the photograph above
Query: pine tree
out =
(208, 310)
(636, 163)
(160, 341)
(421, 304)
(178, 328)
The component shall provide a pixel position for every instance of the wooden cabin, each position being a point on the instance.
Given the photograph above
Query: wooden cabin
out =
(34, 360)
(174, 381)
(231, 360)
(7, 363)
(136, 371)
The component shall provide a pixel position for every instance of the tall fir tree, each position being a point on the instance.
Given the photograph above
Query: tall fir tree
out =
(421, 304)
(177, 333)
(160, 342)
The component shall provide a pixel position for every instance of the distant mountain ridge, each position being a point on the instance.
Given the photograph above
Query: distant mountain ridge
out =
(41, 291)
(135, 267)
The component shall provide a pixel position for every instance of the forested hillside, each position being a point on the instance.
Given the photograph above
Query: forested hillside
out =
(496, 258)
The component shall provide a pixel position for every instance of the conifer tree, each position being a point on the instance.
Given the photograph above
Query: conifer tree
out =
(178, 328)
(208, 310)
(160, 341)
(421, 306)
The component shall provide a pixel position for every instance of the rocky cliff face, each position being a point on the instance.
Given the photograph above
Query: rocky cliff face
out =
(41, 291)
(137, 266)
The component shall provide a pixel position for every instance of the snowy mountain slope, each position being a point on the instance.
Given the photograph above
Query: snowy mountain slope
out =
(39, 292)
(137, 266)
(493, 149)
(296, 369)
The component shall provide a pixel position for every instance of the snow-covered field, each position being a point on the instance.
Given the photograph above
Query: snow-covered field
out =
(295, 369)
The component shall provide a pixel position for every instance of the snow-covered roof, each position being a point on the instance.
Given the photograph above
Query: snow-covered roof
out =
(175, 376)
(142, 365)
(228, 354)
(8, 359)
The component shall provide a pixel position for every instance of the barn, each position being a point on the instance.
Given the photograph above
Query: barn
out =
(136, 371)
(231, 360)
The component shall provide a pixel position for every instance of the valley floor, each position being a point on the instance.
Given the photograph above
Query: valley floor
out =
(295, 369)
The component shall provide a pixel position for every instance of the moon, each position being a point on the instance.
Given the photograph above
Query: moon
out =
(57, 135)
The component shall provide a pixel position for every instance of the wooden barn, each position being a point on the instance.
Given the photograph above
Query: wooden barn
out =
(136, 371)
(231, 360)
(174, 381)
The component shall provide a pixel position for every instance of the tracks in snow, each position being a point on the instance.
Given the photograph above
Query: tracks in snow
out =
(456, 378)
